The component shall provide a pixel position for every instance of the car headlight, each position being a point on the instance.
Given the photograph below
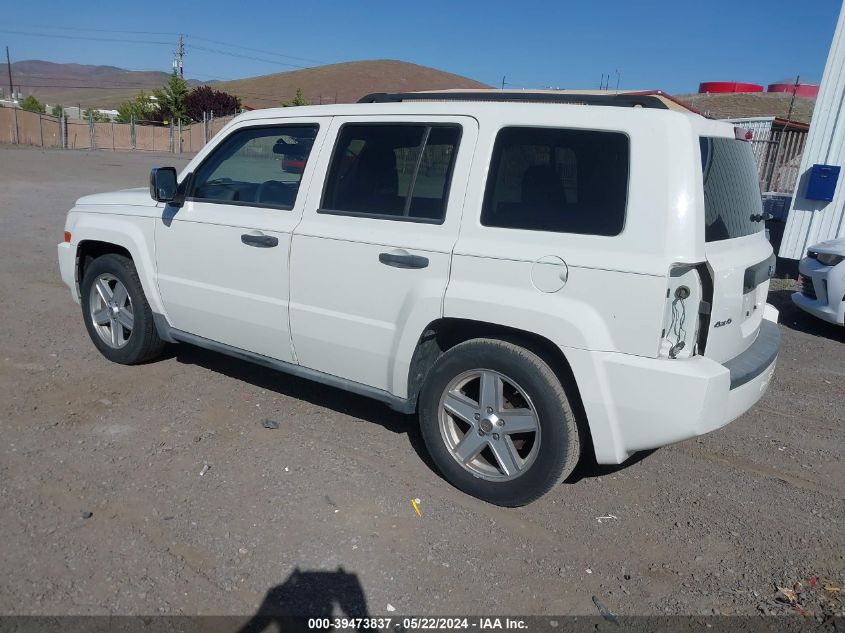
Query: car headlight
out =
(829, 259)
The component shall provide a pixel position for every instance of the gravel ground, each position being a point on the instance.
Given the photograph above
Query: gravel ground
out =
(319, 509)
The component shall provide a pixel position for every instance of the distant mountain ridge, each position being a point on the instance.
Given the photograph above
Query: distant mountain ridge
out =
(344, 83)
(89, 86)
(108, 86)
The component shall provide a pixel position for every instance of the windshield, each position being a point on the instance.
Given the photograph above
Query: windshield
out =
(733, 206)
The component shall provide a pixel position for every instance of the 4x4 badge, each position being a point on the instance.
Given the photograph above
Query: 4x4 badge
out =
(723, 323)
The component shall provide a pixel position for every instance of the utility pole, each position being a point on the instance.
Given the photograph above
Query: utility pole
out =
(503, 81)
(9, 67)
(782, 137)
(178, 56)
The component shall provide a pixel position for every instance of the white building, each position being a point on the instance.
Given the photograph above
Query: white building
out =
(812, 221)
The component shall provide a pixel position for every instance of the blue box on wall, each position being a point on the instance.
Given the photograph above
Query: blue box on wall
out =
(821, 184)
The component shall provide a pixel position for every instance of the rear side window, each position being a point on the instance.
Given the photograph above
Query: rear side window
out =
(733, 206)
(393, 171)
(258, 166)
(559, 180)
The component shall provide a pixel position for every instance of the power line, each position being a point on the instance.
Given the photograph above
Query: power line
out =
(250, 57)
(90, 39)
(79, 28)
(255, 50)
(36, 76)
(258, 95)
(100, 87)
(123, 85)
(194, 37)
(180, 52)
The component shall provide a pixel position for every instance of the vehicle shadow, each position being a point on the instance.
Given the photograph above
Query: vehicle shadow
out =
(315, 393)
(588, 468)
(796, 319)
(306, 595)
(359, 407)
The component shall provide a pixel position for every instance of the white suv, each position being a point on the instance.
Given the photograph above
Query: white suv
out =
(535, 275)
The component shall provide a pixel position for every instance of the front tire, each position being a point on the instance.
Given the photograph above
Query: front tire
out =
(497, 422)
(116, 313)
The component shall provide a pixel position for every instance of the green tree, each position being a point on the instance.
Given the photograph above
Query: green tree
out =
(98, 117)
(31, 104)
(297, 100)
(171, 99)
(58, 110)
(140, 108)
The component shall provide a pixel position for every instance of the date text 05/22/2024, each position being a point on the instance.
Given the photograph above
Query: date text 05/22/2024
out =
(418, 623)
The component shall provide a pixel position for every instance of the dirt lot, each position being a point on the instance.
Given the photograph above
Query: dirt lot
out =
(710, 525)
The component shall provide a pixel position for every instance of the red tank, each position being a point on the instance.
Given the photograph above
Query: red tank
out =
(807, 91)
(727, 87)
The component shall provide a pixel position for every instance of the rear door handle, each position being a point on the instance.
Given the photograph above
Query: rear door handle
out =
(401, 258)
(259, 240)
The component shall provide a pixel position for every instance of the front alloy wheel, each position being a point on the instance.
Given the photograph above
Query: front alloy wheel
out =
(117, 315)
(111, 310)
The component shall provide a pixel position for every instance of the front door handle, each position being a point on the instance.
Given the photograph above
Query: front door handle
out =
(259, 240)
(401, 258)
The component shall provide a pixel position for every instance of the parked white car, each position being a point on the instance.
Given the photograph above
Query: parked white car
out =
(534, 275)
(822, 281)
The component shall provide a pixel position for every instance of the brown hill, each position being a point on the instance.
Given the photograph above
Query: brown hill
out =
(89, 86)
(343, 83)
(751, 104)
(108, 86)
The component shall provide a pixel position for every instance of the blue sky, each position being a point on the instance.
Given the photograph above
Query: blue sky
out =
(565, 44)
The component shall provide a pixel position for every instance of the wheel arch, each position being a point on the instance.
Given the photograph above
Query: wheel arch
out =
(100, 234)
(89, 250)
(441, 335)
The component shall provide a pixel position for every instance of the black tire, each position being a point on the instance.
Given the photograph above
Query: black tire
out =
(559, 448)
(143, 343)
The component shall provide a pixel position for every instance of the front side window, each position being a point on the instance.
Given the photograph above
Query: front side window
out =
(396, 171)
(558, 180)
(733, 206)
(259, 166)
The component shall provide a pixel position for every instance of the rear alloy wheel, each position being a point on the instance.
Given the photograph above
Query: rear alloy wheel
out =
(489, 425)
(117, 316)
(498, 423)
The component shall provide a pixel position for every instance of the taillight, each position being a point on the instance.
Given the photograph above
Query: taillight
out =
(681, 321)
(743, 134)
(67, 236)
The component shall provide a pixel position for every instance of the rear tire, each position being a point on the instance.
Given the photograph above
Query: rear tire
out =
(116, 313)
(510, 448)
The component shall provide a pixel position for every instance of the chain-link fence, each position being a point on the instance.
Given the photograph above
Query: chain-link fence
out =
(20, 127)
(777, 146)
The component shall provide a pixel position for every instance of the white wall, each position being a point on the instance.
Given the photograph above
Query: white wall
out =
(812, 221)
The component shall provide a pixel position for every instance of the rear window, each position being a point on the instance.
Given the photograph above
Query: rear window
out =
(733, 205)
(558, 180)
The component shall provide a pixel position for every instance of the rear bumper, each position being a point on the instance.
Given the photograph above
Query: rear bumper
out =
(67, 267)
(634, 403)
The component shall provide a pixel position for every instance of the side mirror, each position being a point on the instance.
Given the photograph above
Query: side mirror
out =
(163, 184)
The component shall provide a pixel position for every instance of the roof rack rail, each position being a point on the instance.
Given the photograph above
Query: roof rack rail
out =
(625, 100)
